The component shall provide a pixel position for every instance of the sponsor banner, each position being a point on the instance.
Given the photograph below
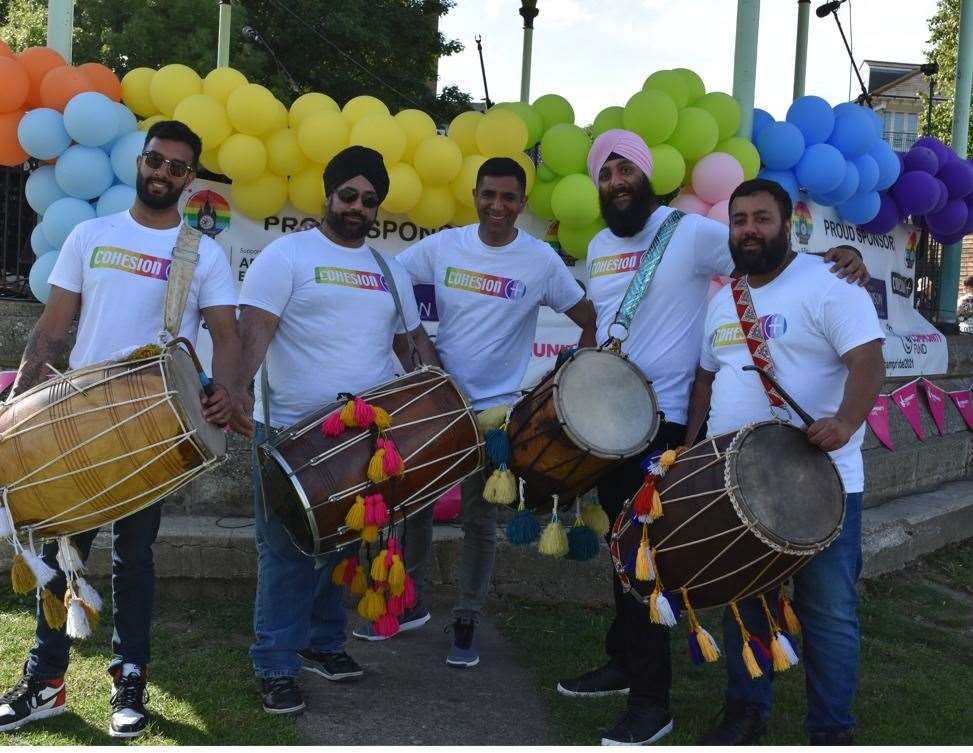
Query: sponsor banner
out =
(878, 421)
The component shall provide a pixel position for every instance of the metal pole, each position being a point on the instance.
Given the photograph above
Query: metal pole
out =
(60, 26)
(486, 91)
(932, 89)
(223, 43)
(800, 53)
(949, 280)
(528, 9)
(745, 61)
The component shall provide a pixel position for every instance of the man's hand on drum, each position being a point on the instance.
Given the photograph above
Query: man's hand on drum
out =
(223, 409)
(849, 264)
(830, 434)
(242, 419)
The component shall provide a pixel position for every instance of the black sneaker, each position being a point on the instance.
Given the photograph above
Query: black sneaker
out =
(30, 699)
(331, 665)
(281, 695)
(639, 725)
(845, 737)
(742, 724)
(464, 652)
(604, 681)
(128, 699)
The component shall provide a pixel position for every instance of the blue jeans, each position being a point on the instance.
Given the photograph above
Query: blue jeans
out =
(826, 603)
(297, 606)
(133, 591)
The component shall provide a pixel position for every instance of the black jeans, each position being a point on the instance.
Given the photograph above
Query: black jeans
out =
(634, 644)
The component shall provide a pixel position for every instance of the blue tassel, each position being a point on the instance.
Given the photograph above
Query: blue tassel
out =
(761, 654)
(523, 528)
(694, 651)
(674, 602)
(649, 460)
(498, 447)
(583, 543)
(630, 563)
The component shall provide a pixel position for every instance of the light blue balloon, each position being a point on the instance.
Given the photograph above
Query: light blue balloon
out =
(867, 173)
(84, 172)
(860, 208)
(854, 132)
(813, 116)
(785, 178)
(62, 216)
(91, 119)
(118, 198)
(845, 190)
(780, 145)
(821, 169)
(123, 156)
(889, 165)
(42, 189)
(39, 272)
(761, 119)
(41, 133)
(38, 241)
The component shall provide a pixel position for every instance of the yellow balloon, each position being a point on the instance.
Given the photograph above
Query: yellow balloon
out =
(418, 126)
(500, 132)
(206, 117)
(530, 171)
(306, 190)
(463, 131)
(436, 207)
(259, 198)
(322, 135)
(358, 107)
(220, 82)
(211, 160)
(252, 109)
(308, 104)
(464, 184)
(438, 160)
(135, 91)
(464, 216)
(280, 117)
(405, 188)
(151, 121)
(171, 85)
(242, 157)
(381, 133)
(284, 155)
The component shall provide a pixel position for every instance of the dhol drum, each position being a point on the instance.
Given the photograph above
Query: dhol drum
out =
(578, 422)
(742, 512)
(311, 480)
(96, 444)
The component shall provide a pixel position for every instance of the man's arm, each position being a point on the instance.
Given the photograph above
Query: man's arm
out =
(583, 314)
(220, 407)
(699, 401)
(866, 373)
(849, 264)
(256, 327)
(424, 349)
(48, 340)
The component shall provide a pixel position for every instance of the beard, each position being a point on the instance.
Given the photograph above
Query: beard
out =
(338, 222)
(765, 259)
(629, 221)
(155, 201)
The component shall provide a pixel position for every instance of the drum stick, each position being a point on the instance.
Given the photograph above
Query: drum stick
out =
(787, 398)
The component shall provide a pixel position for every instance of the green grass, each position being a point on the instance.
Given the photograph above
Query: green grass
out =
(916, 664)
(201, 687)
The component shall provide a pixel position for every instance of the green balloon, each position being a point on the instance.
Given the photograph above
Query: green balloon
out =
(693, 83)
(545, 174)
(670, 82)
(553, 109)
(539, 199)
(574, 241)
(535, 126)
(668, 169)
(574, 201)
(724, 109)
(696, 133)
(744, 152)
(564, 149)
(610, 117)
(652, 115)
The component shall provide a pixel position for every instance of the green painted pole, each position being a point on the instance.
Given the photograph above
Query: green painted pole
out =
(745, 62)
(528, 10)
(800, 53)
(223, 41)
(60, 26)
(949, 280)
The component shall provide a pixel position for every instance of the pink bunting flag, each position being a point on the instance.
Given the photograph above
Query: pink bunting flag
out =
(6, 379)
(964, 405)
(936, 396)
(907, 398)
(878, 421)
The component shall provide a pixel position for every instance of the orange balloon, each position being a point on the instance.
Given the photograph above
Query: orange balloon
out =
(38, 61)
(4, 50)
(16, 85)
(104, 80)
(11, 153)
(61, 84)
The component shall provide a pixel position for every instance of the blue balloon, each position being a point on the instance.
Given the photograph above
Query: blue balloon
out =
(854, 132)
(62, 216)
(761, 119)
(821, 169)
(867, 173)
(118, 198)
(813, 116)
(38, 242)
(785, 178)
(889, 165)
(845, 190)
(41, 133)
(39, 272)
(42, 189)
(844, 107)
(876, 123)
(84, 172)
(780, 145)
(91, 119)
(860, 208)
(124, 154)
(127, 123)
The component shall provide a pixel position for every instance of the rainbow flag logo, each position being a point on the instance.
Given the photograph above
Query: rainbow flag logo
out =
(802, 223)
(911, 244)
(208, 212)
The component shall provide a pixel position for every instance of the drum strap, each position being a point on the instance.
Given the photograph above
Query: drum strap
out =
(753, 333)
(185, 256)
(390, 281)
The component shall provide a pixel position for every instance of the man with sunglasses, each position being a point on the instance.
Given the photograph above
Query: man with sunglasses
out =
(121, 308)
(318, 306)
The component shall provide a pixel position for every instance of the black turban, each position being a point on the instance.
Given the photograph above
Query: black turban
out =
(352, 162)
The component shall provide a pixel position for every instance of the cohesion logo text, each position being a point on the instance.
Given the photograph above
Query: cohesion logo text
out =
(352, 278)
(611, 265)
(477, 282)
(111, 257)
(773, 325)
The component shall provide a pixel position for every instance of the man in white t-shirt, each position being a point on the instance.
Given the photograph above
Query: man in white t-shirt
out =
(114, 270)
(825, 344)
(663, 341)
(317, 306)
(490, 281)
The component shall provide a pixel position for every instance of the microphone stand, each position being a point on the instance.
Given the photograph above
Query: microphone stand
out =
(486, 92)
(865, 97)
(256, 36)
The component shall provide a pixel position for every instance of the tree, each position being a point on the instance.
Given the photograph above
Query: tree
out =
(944, 38)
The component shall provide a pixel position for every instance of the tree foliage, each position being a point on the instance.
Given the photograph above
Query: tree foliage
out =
(944, 48)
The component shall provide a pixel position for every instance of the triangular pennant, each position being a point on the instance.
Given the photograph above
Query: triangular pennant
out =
(907, 398)
(936, 397)
(964, 404)
(878, 421)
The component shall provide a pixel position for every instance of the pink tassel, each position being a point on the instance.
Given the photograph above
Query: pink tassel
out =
(364, 414)
(396, 605)
(392, 462)
(388, 558)
(333, 426)
(409, 593)
(350, 569)
(387, 625)
(394, 546)
(376, 513)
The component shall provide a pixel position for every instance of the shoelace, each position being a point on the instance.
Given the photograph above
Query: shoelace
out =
(130, 693)
(19, 690)
(276, 684)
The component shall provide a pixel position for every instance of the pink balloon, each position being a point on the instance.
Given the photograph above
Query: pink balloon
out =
(689, 203)
(720, 212)
(715, 176)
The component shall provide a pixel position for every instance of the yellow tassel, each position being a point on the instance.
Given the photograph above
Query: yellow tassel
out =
(143, 352)
(781, 664)
(359, 583)
(376, 471)
(21, 576)
(707, 646)
(372, 605)
(380, 572)
(655, 512)
(382, 418)
(790, 617)
(643, 559)
(93, 615)
(348, 414)
(369, 534)
(750, 661)
(554, 540)
(55, 613)
(491, 418)
(338, 574)
(595, 517)
(355, 517)
(654, 617)
(397, 576)
(667, 459)
(501, 487)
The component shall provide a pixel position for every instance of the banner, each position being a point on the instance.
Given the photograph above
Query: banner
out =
(878, 421)
(964, 405)
(907, 398)
(936, 397)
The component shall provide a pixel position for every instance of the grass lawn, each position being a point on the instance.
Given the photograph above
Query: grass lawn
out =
(917, 663)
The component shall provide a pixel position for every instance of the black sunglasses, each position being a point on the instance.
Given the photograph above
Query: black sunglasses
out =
(177, 168)
(368, 200)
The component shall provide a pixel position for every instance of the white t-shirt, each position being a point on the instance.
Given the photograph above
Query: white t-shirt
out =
(120, 268)
(811, 318)
(488, 298)
(337, 321)
(665, 334)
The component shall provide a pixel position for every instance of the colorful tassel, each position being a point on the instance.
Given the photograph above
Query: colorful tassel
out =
(491, 418)
(376, 467)
(6, 522)
(788, 616)
(782, 654)
(338, 574)
(701, 642)
(660, 610)
(695, 653)
(364, 414)
(397, 575)
(395, 605)
(348, 414)
(583, 542)
(497, 445)
(359, 583)
(387, 625)
(333, 426)
(350, 570)
(707, 644)
(667, 459)
(523, 527)
(143, 352)
(68, 557)
(644, 569)
(376, 511)
(88, 594)
(392, 464)
(749, 659)
(383, 420)
(501, 487)
(554, 539)
(642, 502)
(369, 534)
(55, 614)
(380, 570)
(355, 517)
(42, 572)
(594, 516)
(76, 623)
(22, 578)
(372, 605)
(409, 592)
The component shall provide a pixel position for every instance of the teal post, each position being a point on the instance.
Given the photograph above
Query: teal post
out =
(223, 41)
(800, 52)
(745, 61)
(60, 26)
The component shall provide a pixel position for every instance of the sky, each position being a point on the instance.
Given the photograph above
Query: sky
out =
(597, 53)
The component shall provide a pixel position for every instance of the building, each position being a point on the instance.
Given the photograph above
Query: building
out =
(899, 94)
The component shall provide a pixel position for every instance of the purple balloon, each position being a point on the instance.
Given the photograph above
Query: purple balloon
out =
(915, 192)
(936, 146)
(943, 197)
(921, 158)
(948, 240)
(886, 219)
(950, 219)
(957, 174)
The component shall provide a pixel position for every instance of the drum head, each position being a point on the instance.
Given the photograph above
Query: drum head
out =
(184, 380)
(785, 486)
(606, 405)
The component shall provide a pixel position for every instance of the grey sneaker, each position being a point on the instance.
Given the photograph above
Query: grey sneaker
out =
(410, 621)
(331, 665)
(464, 652)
